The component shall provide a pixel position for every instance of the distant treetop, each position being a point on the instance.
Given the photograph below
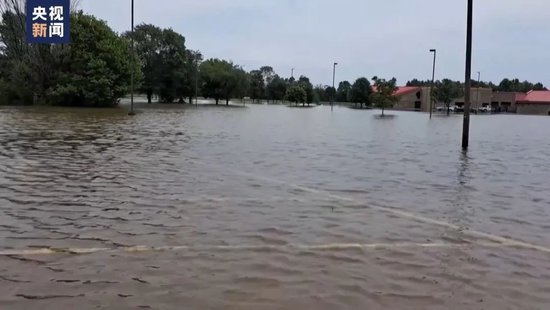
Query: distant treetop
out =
(506, 85)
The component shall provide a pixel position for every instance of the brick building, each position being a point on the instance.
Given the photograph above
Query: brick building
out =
(412, 98)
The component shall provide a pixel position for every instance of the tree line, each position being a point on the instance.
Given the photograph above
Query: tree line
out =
(506, 85)
(362, 93)
(96, 69)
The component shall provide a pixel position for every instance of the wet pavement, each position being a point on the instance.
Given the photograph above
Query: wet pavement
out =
(267, 207)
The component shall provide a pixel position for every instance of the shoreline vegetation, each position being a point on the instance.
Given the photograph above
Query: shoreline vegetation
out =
(95, 71)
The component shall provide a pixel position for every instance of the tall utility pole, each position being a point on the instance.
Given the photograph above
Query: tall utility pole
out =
(292, 73)
(468, 76)
(478, 89)
(432, 85)
(333, 90)
(132, 69)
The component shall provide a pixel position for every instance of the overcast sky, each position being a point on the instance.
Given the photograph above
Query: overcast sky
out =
(388, 38)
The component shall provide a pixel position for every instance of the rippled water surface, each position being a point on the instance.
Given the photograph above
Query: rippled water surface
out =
(268, 207)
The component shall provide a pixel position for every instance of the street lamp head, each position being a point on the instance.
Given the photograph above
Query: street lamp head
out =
(335, 63)
(433, 50)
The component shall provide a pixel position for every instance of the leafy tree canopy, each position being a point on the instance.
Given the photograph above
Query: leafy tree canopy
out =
(257, 85)
(514, 85)
(506, 85)
(277, 87)
(222, 80)
(383, 96)
(361, 92)
(163, 60)
(296, 94)
(343, 92)
(94, 70)
(447, 90)
(306, 85)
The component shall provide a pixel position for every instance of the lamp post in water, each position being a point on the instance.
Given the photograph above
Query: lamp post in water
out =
(478, 89)
(433, 81)
(132, 69)
(333, 90)
(197, 82)
(468, 77)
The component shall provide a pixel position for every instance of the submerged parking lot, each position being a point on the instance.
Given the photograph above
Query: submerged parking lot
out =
(267, 207)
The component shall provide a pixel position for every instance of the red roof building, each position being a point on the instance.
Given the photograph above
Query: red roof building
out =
(404, 90)
(534, 96)
(413, 98)
(534, 102)
(520, 97)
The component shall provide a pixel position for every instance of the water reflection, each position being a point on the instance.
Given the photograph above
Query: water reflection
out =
(460, 210)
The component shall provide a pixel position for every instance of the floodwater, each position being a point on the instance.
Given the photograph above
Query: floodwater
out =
(268, 207)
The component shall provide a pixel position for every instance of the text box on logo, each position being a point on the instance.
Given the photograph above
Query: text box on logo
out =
(48, 21)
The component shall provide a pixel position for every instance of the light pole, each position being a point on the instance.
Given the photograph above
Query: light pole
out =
(292, 73)
(132, 69)
(333, 91)
(434, 51)
(478, 89)
(468, 76)
(197, 82)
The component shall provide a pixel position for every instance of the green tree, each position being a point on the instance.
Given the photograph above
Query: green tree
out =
(257, 85)
(163, 62)
(214, 74)
(94, 70)
(419, 83)
(147, 42)
(383, 96)
(188, 84)
(221, 79)
(296, 94)
(330, 93)
(243, 83)
(446, 91)
(481, 84)
(29, 71)
(15, 56)
(306, 85)
(318, 94)
(97, 71)
(268, 74)
(343, 93)
(361, 92)
(514, 85)
(505, 85)
(539, 86)
(277, 88)
(173, 58)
